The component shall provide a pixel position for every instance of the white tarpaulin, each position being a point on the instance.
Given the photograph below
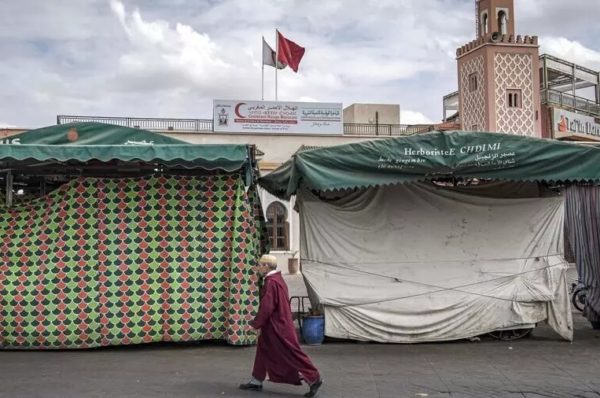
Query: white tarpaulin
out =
(416, 263)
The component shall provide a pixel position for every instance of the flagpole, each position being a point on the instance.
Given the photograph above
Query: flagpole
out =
(262, 46)
(276, 59)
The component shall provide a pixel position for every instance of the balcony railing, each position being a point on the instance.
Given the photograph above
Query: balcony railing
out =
(206, 125)
(570, 101)
(146, 123)
(384, 129)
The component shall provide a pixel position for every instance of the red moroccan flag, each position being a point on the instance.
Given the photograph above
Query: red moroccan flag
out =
(289, 52)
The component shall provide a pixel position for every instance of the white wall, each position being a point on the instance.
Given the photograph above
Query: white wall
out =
(277, 148)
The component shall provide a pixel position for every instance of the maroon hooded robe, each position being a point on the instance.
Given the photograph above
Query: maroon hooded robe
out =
(278, 352)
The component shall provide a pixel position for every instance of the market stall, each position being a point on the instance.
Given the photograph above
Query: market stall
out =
(436, 237)
(130, 237)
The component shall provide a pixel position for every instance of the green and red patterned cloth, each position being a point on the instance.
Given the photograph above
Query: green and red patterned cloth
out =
(104, 262)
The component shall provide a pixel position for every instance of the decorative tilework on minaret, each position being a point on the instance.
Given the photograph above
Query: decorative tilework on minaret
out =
(498, 75)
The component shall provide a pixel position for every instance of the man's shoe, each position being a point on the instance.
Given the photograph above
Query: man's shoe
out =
(314, 388)
(251, 387)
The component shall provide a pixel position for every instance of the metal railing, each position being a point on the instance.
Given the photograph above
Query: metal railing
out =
(384, 129)
(570, 101)
(147, 123)
(206, 125)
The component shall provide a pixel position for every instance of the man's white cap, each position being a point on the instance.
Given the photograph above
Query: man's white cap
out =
(268, 259)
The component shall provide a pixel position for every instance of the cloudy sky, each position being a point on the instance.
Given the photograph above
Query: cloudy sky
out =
(171, 58)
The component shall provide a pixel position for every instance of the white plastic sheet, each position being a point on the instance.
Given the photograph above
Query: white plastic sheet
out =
(418, 263)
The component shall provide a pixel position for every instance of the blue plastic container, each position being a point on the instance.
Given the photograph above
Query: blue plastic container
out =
(313, 329)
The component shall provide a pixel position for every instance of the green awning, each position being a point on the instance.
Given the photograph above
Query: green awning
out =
(92, 133)
(423, 157)
(83, 142)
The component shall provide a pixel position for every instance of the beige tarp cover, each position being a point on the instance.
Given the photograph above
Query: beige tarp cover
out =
(416, 263)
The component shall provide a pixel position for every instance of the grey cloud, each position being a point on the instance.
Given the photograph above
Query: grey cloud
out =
(78, 56)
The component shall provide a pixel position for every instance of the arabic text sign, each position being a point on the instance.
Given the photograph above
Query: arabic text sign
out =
(277, 117)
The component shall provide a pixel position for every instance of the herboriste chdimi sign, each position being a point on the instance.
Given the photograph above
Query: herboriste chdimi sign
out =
(277, 117)
(491, 155)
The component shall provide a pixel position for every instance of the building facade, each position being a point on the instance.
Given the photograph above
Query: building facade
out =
(570, 95)
(504, 85)
(498, 77)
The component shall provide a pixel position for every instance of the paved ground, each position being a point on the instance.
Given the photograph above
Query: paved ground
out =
(539, 366)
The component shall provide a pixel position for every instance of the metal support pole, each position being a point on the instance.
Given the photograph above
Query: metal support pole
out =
(443, 110)
(9, 187)
(574, 81)
(545, 75)
(262, 79)
(598, 89)
(276, 60)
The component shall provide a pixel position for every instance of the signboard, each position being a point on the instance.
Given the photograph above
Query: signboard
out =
(491, 155)
(570, 124)
(277, 117)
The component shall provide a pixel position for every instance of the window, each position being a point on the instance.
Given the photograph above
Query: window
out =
(473, 83)
(513, 98)
(484, 24)
(502, 22)
(278, 226)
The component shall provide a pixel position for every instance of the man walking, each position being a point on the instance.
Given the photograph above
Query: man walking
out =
(278, 352)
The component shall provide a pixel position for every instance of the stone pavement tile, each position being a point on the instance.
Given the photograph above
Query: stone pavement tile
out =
(398, 371)
(464, 373)
(486, 394)
(478, 393)
(549, 394)
(585, 394)
(344, 372)
(348, 388)
(409, 385)
(530, 372)
(420, 389)
(583, 367)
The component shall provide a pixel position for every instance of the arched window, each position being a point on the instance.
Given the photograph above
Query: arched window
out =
(278, 226)
(514, 98)
(484, 24)
(502, 22)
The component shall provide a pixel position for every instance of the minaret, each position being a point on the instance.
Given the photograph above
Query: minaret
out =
(498, 74)
(495, 16)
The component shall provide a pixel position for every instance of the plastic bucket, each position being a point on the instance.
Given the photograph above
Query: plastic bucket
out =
(313, 329)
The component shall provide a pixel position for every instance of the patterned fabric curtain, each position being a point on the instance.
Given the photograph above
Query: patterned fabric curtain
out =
(582, 208)
(104, 262)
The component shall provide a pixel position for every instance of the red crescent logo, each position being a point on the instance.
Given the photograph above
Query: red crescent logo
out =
(237, 110)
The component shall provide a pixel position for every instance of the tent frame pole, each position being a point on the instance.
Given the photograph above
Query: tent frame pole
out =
(9, 188)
